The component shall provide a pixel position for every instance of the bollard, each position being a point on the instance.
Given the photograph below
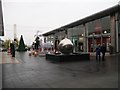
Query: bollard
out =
(35, 54)
(8, 51)
(29, 53)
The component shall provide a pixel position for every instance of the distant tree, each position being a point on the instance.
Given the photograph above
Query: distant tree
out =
(21, 46)
(6, 43)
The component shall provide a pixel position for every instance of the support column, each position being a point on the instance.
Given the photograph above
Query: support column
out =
(119, 31)
(117, 28)
(85, 34)
(113, 32)
(50, 38)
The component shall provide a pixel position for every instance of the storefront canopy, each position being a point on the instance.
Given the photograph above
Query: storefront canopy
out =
(93, 17)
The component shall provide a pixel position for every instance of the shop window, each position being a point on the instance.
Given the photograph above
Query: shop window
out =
(99, 26)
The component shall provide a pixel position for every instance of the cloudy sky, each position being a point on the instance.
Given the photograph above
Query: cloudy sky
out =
(45, 15)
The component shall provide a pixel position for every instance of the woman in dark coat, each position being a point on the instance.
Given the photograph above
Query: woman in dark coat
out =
(12, 46)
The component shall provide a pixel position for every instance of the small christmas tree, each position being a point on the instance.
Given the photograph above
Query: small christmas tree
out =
(21, 46)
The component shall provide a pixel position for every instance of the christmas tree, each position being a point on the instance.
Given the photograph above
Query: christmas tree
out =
(21, 46)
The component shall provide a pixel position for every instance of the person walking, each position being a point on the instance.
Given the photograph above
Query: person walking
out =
(13, 49)
(98, 55)
(103, 50)
(37, 43)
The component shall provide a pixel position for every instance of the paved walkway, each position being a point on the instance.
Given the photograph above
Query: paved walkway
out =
(7, 58)
(36, 72)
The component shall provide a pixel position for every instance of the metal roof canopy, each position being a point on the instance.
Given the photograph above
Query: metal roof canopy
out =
(95, 16)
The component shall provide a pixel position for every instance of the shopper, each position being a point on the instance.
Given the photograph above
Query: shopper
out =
(98, 50)
(13, 49)
(103, 50)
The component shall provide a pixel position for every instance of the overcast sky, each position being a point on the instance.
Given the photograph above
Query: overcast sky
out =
(46, 15)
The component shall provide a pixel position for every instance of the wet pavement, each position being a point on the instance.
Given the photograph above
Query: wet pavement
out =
(36, 72)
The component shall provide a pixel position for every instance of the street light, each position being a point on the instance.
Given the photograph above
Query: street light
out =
(105, 32)
(82, 35)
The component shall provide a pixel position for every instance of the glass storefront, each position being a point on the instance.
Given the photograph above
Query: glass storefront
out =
(98, 33)
(49, 39)
(75, 34)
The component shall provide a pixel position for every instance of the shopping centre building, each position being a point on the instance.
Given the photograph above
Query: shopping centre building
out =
(87, 33)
